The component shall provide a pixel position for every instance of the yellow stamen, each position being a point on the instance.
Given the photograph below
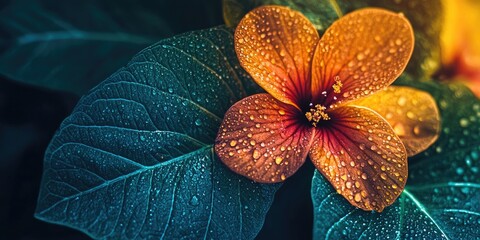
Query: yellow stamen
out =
(316, 114)
(337, 86)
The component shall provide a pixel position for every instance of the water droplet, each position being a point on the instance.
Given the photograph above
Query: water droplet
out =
(360, 56)
(281, 112)
(402, 101)
(283, 177)
(142, 138)
(198, 122)
(256, 154)
(417, 130)
(357, 197)
(194, 201)
(474, 155)
(233, 143)
(278, 160)
(383, 176)
(411, 115)
(399, 129)
(464, 122)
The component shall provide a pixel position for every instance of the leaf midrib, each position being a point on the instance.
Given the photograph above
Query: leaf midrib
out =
(138, 171)
(424, 210)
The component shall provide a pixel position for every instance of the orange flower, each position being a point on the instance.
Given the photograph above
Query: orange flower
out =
(316, 103)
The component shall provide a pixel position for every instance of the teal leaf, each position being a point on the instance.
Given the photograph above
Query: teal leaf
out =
(135, 158)
(74, 45)
(442, 194)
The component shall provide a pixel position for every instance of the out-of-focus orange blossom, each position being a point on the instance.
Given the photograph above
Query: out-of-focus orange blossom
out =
(461, 42)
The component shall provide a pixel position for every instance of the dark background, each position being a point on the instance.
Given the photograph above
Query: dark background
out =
(29, 116)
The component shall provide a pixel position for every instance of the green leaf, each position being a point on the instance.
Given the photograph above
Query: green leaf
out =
(321, 13)
(425, 17)
(135, 158)
(73, 45)
(443, 188)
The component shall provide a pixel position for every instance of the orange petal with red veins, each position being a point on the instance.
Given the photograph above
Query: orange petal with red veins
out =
(275, 45)
(359, 54)
(412, 113)
(361, 157)
(261, 139)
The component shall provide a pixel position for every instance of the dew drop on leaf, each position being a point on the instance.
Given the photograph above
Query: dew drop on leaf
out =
(194, 201)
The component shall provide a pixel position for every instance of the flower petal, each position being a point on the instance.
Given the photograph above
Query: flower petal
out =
(261, 139)
(412, 113)
(365, 51)
(362, 157)
(275, 45)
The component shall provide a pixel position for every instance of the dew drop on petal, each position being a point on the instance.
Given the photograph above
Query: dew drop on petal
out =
(399, 129)
(357, 197)
(256, 154)
(360, 56)
(364, 176)
(402, 101)
(383, 176)
(417, 130)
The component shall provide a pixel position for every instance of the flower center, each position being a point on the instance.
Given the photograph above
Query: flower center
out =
(316, 114)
